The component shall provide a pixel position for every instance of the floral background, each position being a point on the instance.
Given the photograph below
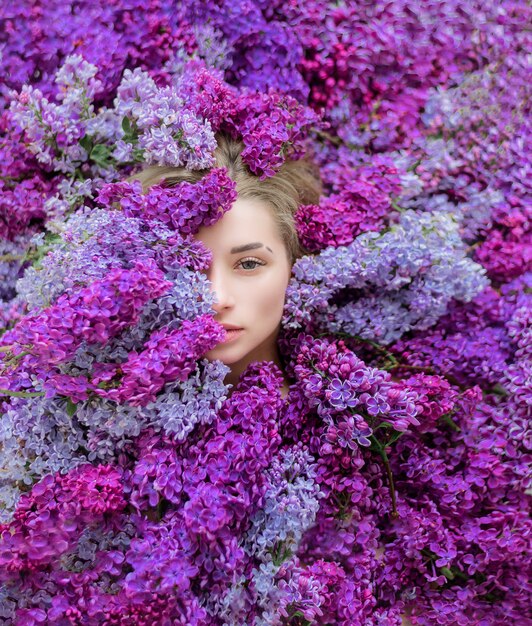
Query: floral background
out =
(393, 485)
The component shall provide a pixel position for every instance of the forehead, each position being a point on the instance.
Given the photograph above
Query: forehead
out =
(248, 220)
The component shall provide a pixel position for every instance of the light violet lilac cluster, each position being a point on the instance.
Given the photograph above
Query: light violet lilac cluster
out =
(384, 284)
(392, 486)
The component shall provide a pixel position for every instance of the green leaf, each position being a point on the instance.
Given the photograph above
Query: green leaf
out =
(126, 125)
(394, 437)
(21, 394)
(36, 255)
(375, 445)
(100, 154)
(299, 614)
(86, 143)
(447, 573)
(71, 408)
(499, 390)
(447, 419)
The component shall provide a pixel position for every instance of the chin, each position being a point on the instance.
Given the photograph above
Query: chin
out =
(225, 355)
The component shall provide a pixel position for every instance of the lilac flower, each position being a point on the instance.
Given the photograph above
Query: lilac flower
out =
(183, 207)
(45, 523)
(169, 133)
(22, 207)
(341, 395)
(292, 502)
(405, 279)
(273, 128)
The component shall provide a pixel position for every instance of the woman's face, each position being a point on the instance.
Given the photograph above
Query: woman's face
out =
(250, 271)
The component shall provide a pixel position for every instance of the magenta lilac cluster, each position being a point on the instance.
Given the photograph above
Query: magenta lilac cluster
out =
(361, 198)
(181, 206)
(391, 487)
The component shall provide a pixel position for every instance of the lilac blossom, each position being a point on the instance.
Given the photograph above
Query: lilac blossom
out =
(290, 508)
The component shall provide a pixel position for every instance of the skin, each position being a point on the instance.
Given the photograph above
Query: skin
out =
(249, 284)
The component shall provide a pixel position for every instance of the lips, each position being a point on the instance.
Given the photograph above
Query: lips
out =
(231, 333)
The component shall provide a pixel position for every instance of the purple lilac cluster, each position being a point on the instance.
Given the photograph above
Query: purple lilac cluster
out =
(94, 314)
(273, 126)
(372, 67)
(475, 343)
(31, 194)
(190, 502)
(50, 519)
(94, 241)
(168, 355)
(392, 486)
(335, 382)
(453, 519)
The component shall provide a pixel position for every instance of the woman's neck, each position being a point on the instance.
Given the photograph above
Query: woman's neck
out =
(261, 354)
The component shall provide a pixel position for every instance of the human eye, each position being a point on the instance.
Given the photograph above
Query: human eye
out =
(249, 264)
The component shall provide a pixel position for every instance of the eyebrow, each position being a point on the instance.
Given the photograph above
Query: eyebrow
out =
(249, 246)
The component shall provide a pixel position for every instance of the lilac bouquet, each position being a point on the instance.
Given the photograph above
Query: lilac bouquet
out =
(391, 486)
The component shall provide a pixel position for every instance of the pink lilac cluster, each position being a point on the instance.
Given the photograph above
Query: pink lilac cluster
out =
(273, 126)
(207, 92)
(50, 520)
(506, 251)
(273, 129)
(391, 486)
(30, 194)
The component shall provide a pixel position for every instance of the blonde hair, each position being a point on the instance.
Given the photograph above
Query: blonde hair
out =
(296, 183)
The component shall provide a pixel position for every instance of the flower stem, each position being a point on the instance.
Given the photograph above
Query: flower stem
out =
(378, 447)
(21, 394)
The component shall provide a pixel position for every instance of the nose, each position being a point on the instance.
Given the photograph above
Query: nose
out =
(222, 292)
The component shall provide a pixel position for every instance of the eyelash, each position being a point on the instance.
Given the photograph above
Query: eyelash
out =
(252, 259)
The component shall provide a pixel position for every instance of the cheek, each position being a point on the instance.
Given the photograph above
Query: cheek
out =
(270, 298)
